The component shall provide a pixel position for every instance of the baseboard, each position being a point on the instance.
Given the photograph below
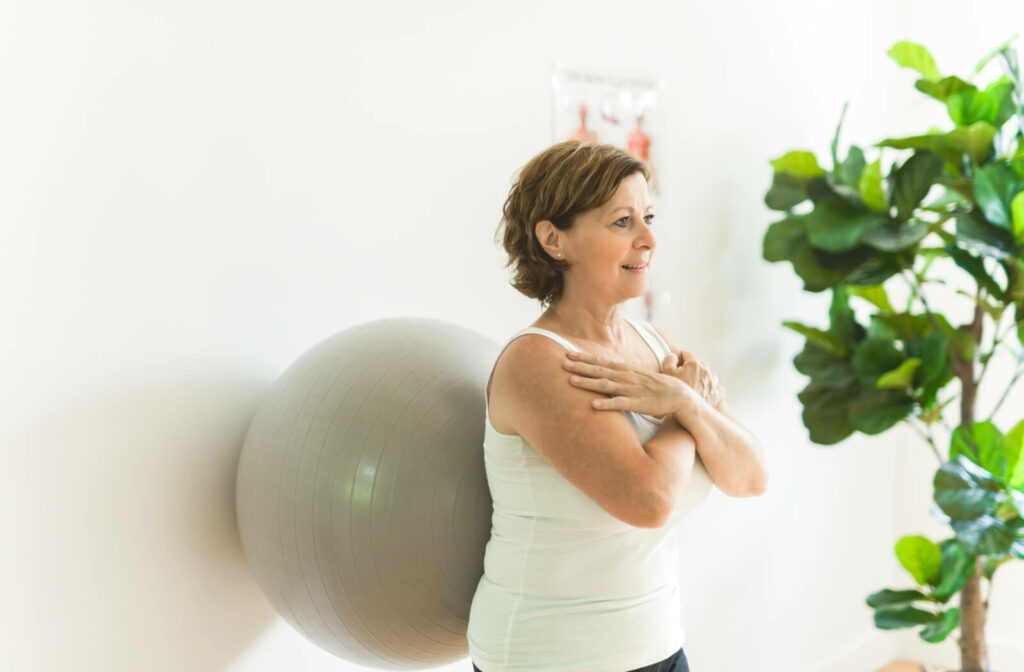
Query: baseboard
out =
(1003, 655)
(871, 651)
(875, 650)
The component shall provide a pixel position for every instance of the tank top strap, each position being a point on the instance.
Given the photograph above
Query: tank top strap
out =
(564, 342)
(528, 330)
(652, 338)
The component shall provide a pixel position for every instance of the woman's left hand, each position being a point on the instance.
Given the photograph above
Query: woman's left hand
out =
(651, 393)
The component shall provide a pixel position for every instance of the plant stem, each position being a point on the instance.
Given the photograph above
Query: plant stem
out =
(927, 437)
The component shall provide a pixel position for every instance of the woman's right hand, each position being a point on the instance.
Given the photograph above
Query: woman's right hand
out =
(696, 374)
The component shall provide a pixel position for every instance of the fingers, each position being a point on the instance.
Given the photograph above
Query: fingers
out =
(596, 370)
(596, 384)
(614, 404)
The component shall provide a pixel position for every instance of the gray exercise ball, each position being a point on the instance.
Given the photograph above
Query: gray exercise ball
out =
(361, 496)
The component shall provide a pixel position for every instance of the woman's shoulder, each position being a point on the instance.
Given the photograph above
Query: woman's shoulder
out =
(530, 353)
(528, 366)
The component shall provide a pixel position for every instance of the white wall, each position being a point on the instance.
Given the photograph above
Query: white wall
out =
(192, 194)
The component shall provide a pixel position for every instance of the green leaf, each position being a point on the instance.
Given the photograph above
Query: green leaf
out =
(799, 163)
(822, 339)
(873, 411)
(1001, 91)
(901, 377)
(976, 268)
(784, 239)
(852, 167)
(1019, 318)
(939, 630)
(921, 557)
(934, 412)
(1015, 291)
(961, 342)
(985, 535)
(910, 182)
(982, 238)
(874, 294)
(943, 88)
(936, 366)
(786, 191)
(787, 240)
(835, 138)
(842, 323)
(995, 187)
(965, 491)
(904, 617)
(870, 187)
(956, 567)
(1014, 447)
(975, 141)
(970, 106)
(825, 413)
(824, 368)
(1017, 549)
(1017, 217)
(836, 226)
(895, 238)
(874, 357)
(982, 443)
(894, 598)
(903, 325)
(876, 267)
(916, 57)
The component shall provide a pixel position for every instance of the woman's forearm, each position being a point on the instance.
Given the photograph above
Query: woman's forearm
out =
(673, 451)
(731, 454)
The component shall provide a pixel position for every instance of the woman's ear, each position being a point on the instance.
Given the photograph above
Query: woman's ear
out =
(547, 236)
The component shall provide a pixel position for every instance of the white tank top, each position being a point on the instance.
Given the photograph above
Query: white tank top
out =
(566, 585)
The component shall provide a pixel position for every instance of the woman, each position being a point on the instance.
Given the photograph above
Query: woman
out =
(577, 572)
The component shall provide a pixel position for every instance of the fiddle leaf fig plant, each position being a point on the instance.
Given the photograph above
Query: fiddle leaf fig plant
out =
(888, 230)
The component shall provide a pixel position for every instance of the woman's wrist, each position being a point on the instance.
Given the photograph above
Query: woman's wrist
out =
(687, 407)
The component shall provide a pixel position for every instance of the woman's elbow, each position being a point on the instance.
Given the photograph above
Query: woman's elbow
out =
(758, 487)
(755, 486)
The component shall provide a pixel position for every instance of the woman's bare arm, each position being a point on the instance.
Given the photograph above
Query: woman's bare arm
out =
(673, 450)
(732, 454)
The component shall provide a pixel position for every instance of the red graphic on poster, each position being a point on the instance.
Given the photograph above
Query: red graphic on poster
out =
(639, 145)
(583, 133)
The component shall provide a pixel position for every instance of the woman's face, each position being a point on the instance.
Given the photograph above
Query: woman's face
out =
(606, 239)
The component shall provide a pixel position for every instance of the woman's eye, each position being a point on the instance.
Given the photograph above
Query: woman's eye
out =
(624, 222)
(649, 219)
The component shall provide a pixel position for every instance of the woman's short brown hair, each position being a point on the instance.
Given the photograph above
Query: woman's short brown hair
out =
(557, 184)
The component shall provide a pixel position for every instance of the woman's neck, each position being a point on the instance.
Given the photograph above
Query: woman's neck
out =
(602, 326)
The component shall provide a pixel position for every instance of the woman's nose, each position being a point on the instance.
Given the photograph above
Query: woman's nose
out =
(646, 236)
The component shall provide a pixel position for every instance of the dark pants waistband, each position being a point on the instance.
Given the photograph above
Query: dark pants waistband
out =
(675, 663)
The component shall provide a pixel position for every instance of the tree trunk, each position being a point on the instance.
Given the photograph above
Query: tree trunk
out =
(973, 648)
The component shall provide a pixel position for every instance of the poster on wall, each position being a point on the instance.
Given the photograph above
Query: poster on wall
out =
(618, 109)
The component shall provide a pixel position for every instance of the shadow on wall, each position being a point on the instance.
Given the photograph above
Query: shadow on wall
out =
(134, 556)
